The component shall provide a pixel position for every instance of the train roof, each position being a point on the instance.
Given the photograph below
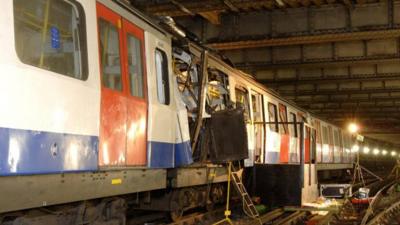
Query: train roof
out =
(150, 22)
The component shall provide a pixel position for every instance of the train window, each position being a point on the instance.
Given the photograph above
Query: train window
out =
(110, 55)
(340, 139)
(135, 66)
(242, 100)
(336, 137)
(256, 100)
(50, 34)
(217, 91)
(161, 61)
(330, 135)
(347, 141)
(318, 130)
(273, 117)
(283, 118)
(324, 135)
(293, 119)
(258, 116)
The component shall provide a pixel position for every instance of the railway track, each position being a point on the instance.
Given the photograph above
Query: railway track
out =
(201, 218)
(374, 204)
(291, 219)
(385, 207)
(275, 217)
(389, 216)
(280, 217)
(383, 210)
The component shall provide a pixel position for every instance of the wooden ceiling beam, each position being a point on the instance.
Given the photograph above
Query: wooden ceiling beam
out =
(182, 7)
(196, 7)
(342, 92)
(305, 3)
(355, 108)
(328, 100)
(292, 3)
(309, 39)
(317, 2)
(213, 17)
(231, 6)
(348, 3)
(319, 80)
(345, 62)
(352, 111)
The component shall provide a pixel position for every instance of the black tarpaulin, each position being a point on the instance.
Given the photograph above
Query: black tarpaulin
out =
(228, 136)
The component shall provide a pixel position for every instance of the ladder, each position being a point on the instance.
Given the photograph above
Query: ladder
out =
(248, 206)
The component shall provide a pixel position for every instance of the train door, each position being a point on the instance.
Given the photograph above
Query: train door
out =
(123, 102)
(113, 103)
(346, 148)
(331, 144)
(307, 144)
(325, 144)
(272, 142)
(313, 144)
(307, 137)
(318, 141)
(341, 147)
(259, 129)
(294, 149)
(337, 151)
(133, 42)
(284, 132)
(242, 101)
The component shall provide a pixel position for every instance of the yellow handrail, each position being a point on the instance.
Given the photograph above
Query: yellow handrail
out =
(45, 24)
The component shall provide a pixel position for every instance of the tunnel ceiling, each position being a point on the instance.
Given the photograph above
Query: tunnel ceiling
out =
(338, 59)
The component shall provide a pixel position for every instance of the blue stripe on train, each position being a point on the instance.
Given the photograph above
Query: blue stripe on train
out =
(38, 152)
(183, 154)
(169, 155)
(272, 158)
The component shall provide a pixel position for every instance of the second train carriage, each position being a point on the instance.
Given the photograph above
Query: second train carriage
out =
(273, 128)
(94, 107)
(273, 136)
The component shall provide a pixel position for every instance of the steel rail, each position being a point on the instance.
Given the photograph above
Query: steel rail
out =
(196, 217)
(294, 217)
(386, 214)
(269, 216)
(375, 201)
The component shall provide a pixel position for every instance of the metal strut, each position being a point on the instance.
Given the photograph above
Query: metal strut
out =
(248, 206)
(227, 212)
(201, 99)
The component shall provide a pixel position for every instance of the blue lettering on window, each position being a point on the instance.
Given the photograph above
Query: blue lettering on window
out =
(55, 37)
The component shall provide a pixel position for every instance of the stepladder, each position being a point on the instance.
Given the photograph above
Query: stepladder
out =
(248, 206)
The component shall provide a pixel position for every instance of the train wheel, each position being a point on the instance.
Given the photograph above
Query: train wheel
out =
(179, 203)
(217, 194)
(176, 214)
(210, 206)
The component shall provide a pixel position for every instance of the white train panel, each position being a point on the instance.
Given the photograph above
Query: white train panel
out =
(45, 116)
